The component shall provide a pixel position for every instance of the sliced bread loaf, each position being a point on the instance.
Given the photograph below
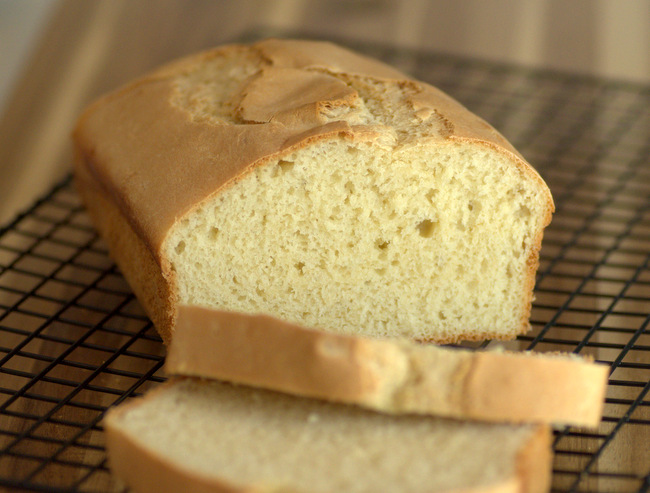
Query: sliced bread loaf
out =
(191, 435)
(395, 376)
(302, 180)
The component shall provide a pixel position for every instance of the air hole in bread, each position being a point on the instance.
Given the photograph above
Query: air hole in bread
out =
(352, 150)
(426, 228)
(381, 244)
(180, 247)
(285, 166)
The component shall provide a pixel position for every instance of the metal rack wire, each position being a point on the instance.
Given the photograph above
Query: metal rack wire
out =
(74, 341)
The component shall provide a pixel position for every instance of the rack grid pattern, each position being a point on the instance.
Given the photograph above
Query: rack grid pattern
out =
(74, 341)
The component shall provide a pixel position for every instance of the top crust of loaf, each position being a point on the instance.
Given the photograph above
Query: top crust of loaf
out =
(158, 160)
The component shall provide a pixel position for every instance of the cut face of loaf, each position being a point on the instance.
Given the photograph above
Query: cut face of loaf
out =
(211, 437)
(431, 242)
(301, 180)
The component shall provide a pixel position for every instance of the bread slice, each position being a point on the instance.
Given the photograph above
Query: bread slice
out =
(394, 376)
(299, 179)
(192, 435)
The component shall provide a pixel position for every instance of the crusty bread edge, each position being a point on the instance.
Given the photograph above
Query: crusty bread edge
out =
(145, 471)
(535, 462)
(264, 351)
(152, 285)
(556, 389)
(392, 376)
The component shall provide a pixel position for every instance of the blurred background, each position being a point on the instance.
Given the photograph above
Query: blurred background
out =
(609, 38)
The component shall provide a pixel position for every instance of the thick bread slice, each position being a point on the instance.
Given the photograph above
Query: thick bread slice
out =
(302, 180)
(395, 376)
(200, 436)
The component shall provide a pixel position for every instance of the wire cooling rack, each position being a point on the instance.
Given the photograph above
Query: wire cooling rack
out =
(74, 341)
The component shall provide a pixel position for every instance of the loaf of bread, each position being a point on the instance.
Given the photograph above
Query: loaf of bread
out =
(199, 436)
(393, 376)
(301, 180)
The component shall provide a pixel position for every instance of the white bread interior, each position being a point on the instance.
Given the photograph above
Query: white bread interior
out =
(426, 243)
(192, 435)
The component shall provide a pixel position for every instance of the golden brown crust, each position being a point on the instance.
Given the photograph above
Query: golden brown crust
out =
(324, 56)
(260, 350)
(385, 375)
(531, 388)
(535, 462)
(127, 249)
